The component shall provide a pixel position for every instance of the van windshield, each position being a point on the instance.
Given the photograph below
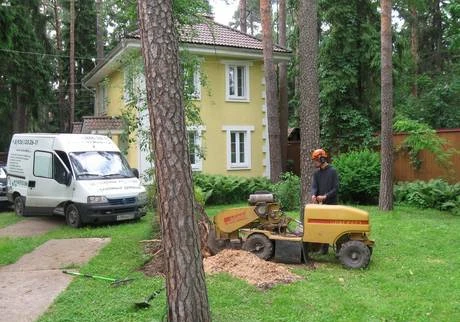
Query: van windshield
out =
(93, 165)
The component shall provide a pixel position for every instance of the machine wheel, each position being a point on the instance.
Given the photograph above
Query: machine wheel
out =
(19, 206)
(72, 216)
(259, 245)
(354, 254)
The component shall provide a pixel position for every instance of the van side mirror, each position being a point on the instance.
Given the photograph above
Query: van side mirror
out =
(135, 172)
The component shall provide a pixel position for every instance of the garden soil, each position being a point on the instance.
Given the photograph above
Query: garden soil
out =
(29, 286)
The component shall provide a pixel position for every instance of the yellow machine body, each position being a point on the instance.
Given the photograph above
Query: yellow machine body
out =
(233, 219)
(327, 223)
(264, 230)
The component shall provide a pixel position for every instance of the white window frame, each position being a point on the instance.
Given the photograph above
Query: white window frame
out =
(198, 165)
(196, 95)
(246, 88)
(103, 99)
(247, 146)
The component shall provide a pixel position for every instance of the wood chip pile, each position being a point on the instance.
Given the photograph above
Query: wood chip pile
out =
(249, 267)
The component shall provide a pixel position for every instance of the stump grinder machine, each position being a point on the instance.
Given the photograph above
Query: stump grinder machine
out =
(263, 229)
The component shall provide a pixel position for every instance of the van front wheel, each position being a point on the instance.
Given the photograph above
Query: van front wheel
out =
(72, 216)
(19, 206)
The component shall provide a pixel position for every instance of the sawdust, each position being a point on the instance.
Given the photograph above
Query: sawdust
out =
(249, 267)
(238, 263)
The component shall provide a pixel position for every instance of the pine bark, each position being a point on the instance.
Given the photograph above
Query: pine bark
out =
(414, 47)
(309, 93)
(99, 33)
(185, 280)
(386, 174)
(19, 110)
(243, 15)
(72, 65)
(270, 90)
(62, 112)
(283, 90)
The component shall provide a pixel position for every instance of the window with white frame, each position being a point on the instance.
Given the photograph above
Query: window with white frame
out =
(195, 147)
(237, 81)
(196, 94)
(103, 99)
(238, 146)
(193, 83)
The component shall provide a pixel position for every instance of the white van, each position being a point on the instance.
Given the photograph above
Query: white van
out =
(82, 177)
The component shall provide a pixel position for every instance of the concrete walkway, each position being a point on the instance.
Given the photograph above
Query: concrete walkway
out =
(29, 286)
(32, 226)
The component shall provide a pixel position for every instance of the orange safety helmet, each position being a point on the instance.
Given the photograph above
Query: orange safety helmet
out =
(319, 155)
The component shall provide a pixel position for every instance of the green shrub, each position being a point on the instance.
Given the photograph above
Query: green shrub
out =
(201, 196)
(229, 189)
(287, 191)
(436, 194)
(359, 176)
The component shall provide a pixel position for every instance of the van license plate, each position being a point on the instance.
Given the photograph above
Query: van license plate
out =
(125, 217)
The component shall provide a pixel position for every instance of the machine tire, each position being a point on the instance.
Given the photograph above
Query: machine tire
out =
(73, 216)
(19, 206)
(354, 254)
(259, 245)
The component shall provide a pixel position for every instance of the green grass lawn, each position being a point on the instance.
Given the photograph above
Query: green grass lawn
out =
(8, 217)
(414, 275)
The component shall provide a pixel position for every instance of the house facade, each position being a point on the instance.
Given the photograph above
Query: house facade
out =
(233, 136)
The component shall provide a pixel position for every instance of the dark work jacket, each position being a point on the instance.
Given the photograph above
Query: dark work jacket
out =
(326, 182)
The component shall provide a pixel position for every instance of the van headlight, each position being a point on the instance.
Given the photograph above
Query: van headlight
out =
(142, 197)
(97, 199)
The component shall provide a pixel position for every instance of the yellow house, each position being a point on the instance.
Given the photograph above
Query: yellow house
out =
(233, 134)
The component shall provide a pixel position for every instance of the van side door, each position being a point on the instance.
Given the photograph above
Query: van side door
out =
(50, 184)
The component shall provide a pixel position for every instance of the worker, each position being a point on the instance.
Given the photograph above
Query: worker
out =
(325, 184)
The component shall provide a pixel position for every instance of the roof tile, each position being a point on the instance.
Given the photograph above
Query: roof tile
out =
(210, 32)
(98, 123)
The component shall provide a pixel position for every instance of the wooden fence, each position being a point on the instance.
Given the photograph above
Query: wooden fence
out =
(429, 168)
(403, 170)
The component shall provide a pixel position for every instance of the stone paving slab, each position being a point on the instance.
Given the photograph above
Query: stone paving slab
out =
(29, 286)
(32, 226)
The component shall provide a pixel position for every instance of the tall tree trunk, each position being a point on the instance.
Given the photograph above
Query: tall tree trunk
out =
(437, 36)
(99, 33)
(270, 90)
(251, 24)
(19, 116)
(243, 15)
(414, 46)
(72, 65)
(309, 93)
(62, 110)
(386, 174)
(185, 280)
(283, 99)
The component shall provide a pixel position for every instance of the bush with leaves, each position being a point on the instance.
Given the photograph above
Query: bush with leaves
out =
(229, 189)
(437, 194)
(359, 176)
(287, 191)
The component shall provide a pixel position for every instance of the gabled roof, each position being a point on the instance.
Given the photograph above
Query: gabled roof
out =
(95, 124)
(205, 38)
(210, 32)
